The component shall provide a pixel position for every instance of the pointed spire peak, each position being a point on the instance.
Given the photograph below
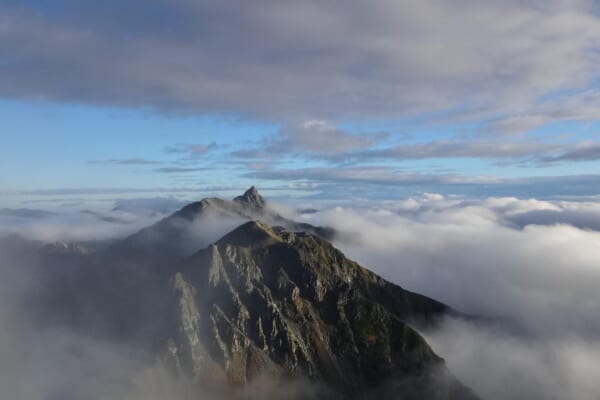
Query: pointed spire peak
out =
(251, 197)
(251, 191)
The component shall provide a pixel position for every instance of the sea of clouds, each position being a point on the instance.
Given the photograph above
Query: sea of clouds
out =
(530, 267)
(533, 266)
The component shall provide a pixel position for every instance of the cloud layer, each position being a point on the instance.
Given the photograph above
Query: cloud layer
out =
(492, 59)
(385, 93)
(529, 265)
(532, 265)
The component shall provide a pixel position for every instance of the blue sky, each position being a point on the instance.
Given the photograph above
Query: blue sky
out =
(301, 99)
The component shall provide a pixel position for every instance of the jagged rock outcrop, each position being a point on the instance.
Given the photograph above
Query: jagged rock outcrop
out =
(251, 198)
(265, 300)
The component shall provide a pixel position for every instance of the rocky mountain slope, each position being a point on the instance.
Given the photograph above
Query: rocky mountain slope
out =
(270, 298)
(266, 300)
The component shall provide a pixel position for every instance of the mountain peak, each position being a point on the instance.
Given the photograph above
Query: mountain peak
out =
(279, 303)
(251, 197)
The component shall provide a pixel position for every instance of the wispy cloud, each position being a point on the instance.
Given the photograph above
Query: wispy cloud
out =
(576, 106)
(321, 138)
(192, 150)
(368, 174)
(385, 182)
(311, 138)
(125, 161)
(177, 170)
(324, 141)
(586, 151)
(98, 191)
(533, 151)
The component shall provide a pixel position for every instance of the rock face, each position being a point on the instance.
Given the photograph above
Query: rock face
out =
(267, 301)
(251, 198)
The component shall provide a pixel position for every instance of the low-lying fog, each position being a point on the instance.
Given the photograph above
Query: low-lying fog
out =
(535, 265)
(532, 266)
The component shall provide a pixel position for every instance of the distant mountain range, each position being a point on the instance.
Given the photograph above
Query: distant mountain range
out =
(25, 213)
(270, 297)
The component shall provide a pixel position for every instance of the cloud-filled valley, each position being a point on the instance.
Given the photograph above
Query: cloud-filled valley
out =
(529, 267)
(533, 264)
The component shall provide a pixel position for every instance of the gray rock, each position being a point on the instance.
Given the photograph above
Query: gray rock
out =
(268, 301)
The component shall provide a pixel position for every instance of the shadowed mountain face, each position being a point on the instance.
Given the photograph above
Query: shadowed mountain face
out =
(266, 300)
(130, 274)
(277, 301)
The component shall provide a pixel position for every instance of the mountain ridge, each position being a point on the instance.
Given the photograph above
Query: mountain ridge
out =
(262, 299)
(267, 300)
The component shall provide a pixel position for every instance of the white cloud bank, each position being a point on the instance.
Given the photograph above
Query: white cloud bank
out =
(533, 263)
(485, 257)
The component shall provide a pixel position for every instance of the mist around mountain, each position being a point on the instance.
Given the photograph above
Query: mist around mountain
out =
(267, 299)
(264, 303)
(539, 278)
(230, 299)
